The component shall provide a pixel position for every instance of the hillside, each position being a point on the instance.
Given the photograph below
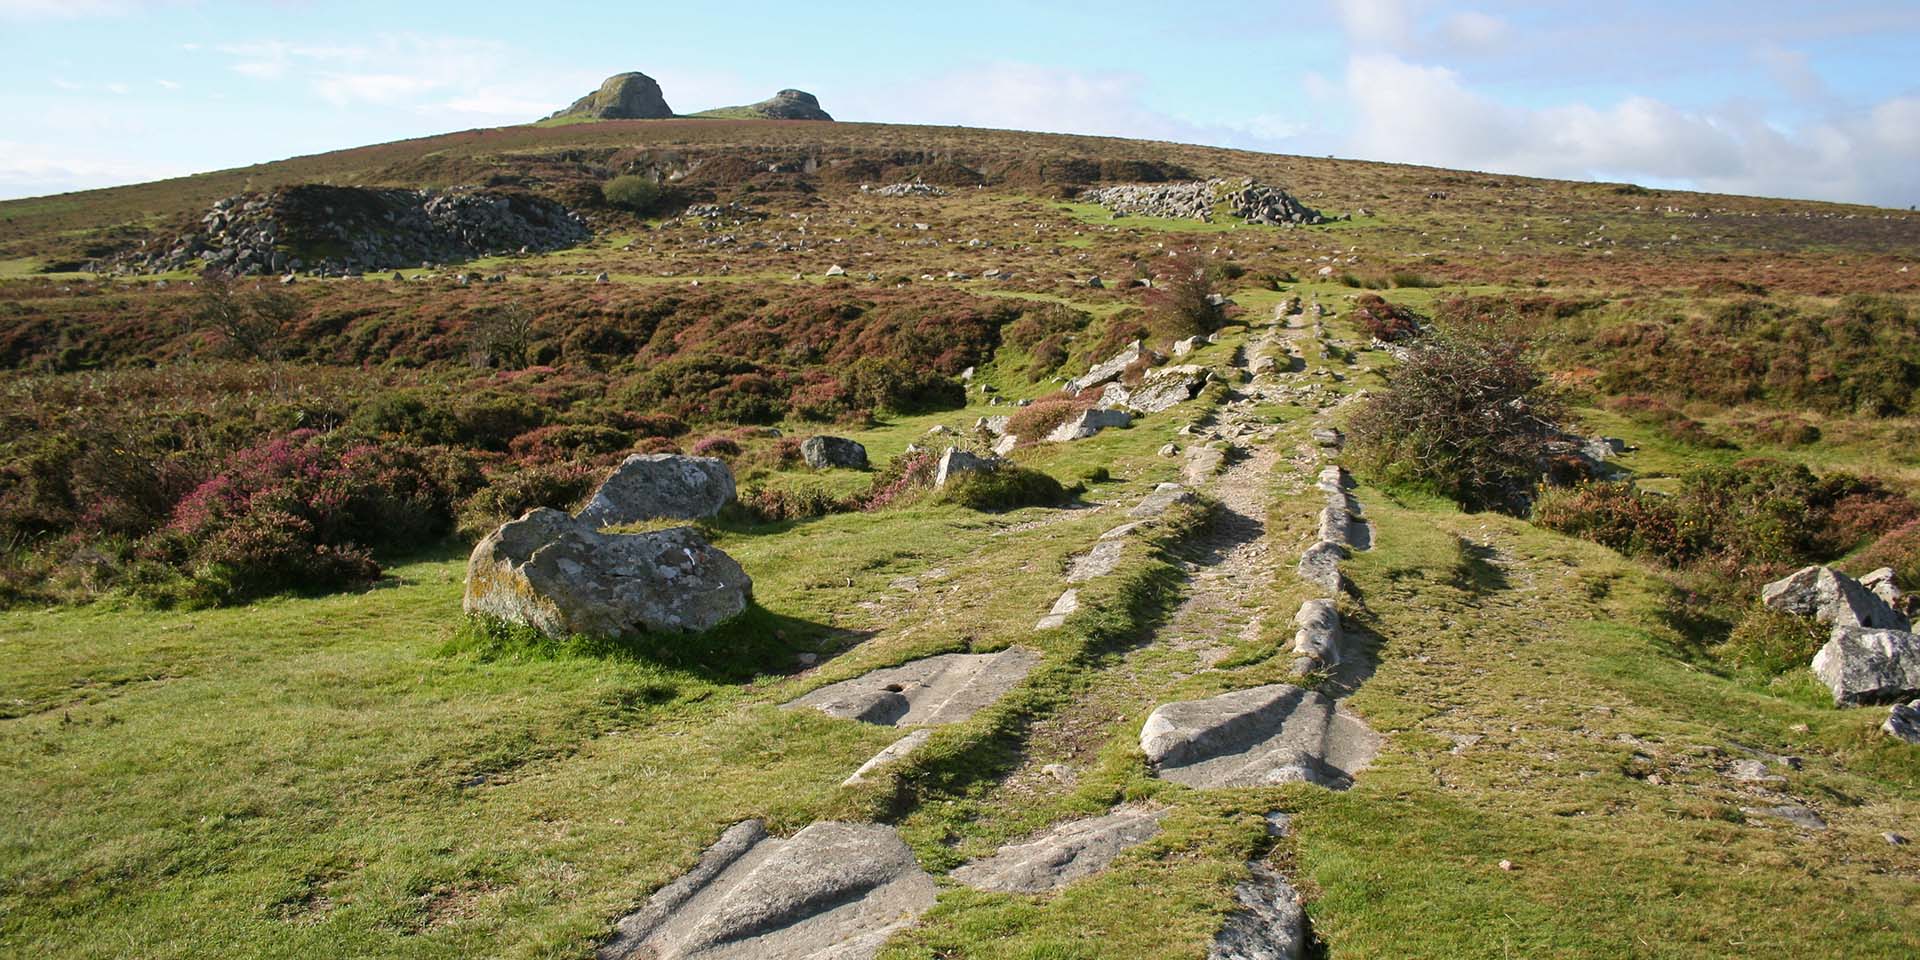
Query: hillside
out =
(1213, 636)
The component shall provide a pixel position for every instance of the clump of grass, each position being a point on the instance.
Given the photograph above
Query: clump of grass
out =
(751, 644)
(1772, 643)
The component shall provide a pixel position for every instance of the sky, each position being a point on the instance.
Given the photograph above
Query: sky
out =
(1808, 100)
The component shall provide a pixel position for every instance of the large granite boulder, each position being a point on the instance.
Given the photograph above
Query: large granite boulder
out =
(824, 452)
(957, 461)
(1865, 665)
(562, 576)
(660, 486)
(791, 104)
(1833, 598)
(1903, 722)
(623, 96)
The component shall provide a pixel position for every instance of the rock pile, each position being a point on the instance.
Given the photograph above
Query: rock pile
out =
(336, 231)
(910, 188)
(1872, 656)
(1196, 200)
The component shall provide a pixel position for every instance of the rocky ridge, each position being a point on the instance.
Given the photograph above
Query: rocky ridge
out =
(342, 231)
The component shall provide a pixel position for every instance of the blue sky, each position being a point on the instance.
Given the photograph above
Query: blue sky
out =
(1817, 100)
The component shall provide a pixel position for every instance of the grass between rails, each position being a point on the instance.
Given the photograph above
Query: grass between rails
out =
(1598, 772)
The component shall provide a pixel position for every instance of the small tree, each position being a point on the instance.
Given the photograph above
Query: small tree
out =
(502, 336)
(1185, 302)
(251, 320)
(634, 193)
(1468, 419)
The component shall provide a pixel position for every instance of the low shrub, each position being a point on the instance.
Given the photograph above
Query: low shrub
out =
(634, 193)
(1898, 548)
(716, 446)
(1467, 419)
(511, 493)
(1008, 488)
(1772, 643)
(1041, 417)
(1385, 321)
(569, 441)
(306, 510)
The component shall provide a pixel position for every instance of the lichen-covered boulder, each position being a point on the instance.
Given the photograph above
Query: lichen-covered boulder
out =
(957, 461)
(563, 576)
(1833, 598)
(1087, 423)
(660, 486)
(823, 452)
(1863, 665)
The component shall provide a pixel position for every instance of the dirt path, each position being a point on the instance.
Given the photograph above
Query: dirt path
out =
(1231, 567)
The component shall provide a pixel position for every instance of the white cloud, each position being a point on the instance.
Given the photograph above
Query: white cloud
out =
(1473, 30)
(1377, 24)
(1417, 113)
(36, 169)
(1025, 96)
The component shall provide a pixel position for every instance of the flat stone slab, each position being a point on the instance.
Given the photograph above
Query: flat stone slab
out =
(893, 751)
(948, 688)
(1066, 606)
(1063, 853)
(833, 890)
(1202, 464)
(1269, 925)
(1269, 735)
(1097, 562)
(1340, 522)
(1161, 500)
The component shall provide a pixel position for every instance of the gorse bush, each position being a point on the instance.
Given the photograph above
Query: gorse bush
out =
(635, 194)
(1385, 321)
(1466, 418)
(1755, 518)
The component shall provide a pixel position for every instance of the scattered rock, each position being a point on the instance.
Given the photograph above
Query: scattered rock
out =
(1005, 445)
(943, 689)
(1063, 853)
(1329, 437)
(1903, 722)
(1752, 771)
(823, 452)
(836, 271)
(1183, 347)
(833, 891)
(660, 486)
(1797, 815)
(956, 461)
(1832, 598)
(1170, 450)
(1087, 423)
(1203, 463)
(1881, 584)
(1110, 370)
(562, 576)
(1161, 389)
(1097, 562)
(1268, 735)
(1862, 665)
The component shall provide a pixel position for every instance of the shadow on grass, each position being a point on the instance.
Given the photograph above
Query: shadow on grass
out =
(756, 643)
